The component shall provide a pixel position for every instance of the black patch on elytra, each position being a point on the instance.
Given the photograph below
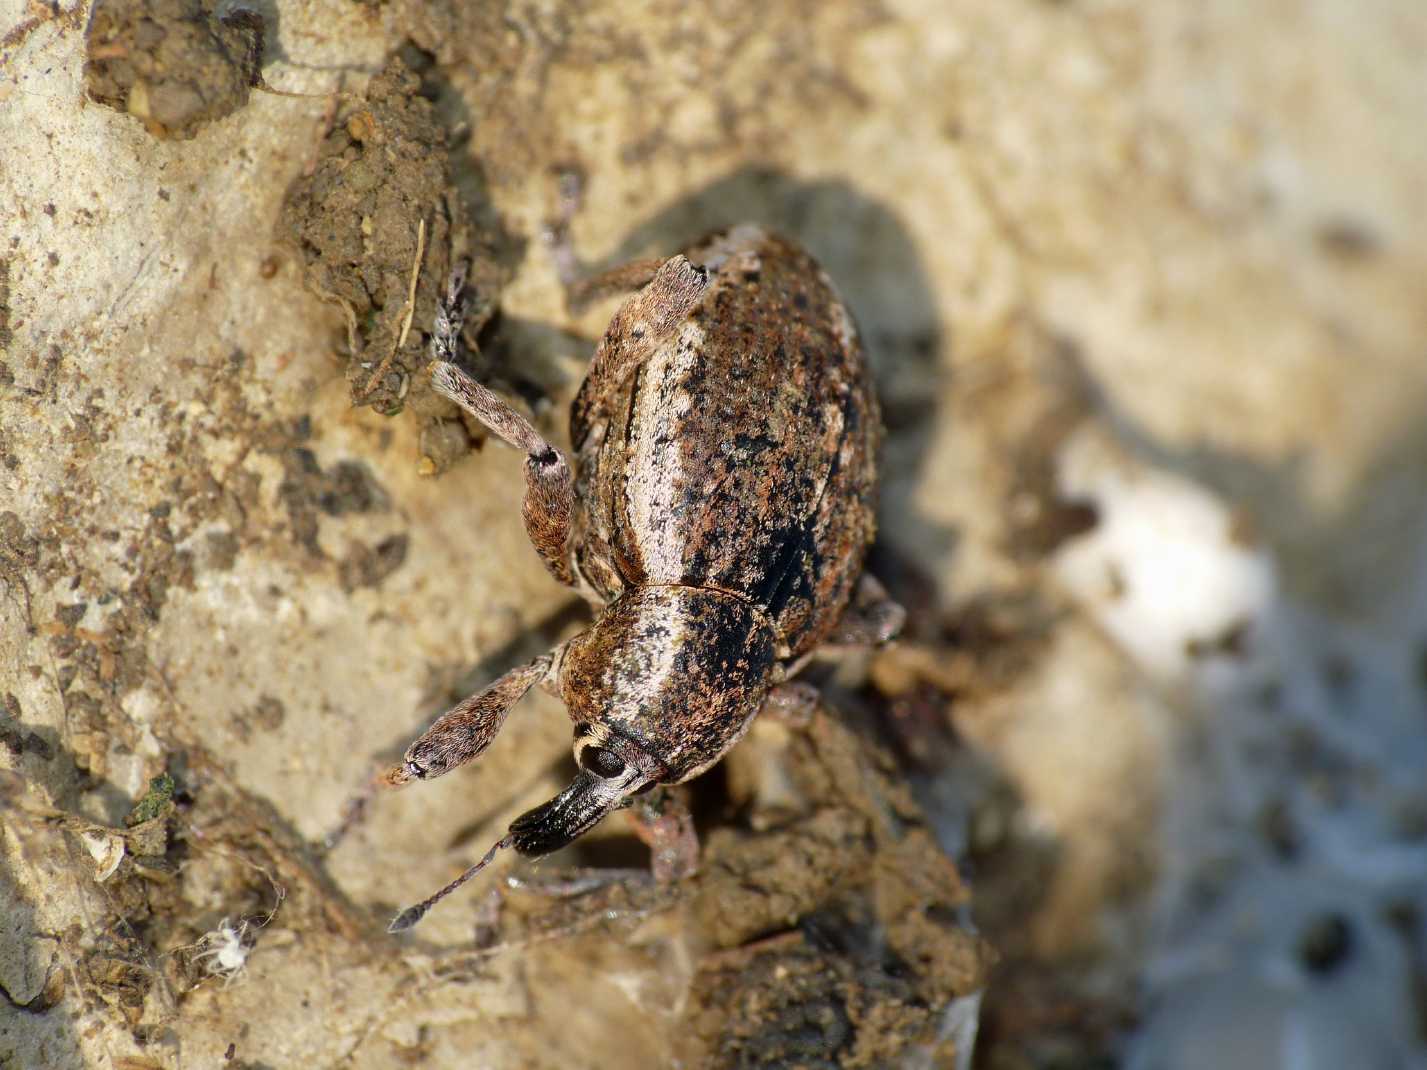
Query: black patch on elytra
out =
(787, 568)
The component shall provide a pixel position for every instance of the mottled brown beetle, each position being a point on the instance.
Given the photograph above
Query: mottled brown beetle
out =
(720, 510)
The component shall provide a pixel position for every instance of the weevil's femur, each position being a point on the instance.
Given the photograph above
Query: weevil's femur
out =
(677, 671)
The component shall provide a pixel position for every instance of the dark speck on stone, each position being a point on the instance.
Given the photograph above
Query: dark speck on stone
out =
(1326, 944)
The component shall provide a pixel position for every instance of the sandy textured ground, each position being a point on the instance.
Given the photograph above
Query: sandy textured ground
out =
(1093, 247)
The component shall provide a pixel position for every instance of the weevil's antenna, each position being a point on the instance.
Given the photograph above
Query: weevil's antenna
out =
(411, 915)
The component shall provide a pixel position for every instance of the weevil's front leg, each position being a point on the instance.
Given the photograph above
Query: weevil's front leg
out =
(457, 736)
(460, 734)
(572, 883)
(549, 487)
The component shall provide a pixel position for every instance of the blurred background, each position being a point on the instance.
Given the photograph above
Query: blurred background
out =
(1142, 286)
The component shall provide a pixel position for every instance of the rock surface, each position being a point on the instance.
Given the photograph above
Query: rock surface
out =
(1182, 242)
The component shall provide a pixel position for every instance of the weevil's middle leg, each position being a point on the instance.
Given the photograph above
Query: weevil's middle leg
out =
(871, 619)
(549, 486)
(793, 703)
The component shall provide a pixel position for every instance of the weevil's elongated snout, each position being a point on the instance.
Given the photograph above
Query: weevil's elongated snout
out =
(564, 818)
(612, 769)
(609, 774)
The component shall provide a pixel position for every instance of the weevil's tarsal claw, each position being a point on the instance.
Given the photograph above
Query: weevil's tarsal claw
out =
(398, 776)
(411, 915)
(568, 815)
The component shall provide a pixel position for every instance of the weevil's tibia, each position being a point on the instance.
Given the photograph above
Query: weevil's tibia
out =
(411, 915)
(793, 703)
(467, 729)
(871, 619)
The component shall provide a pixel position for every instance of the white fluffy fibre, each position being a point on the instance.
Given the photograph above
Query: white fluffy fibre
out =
(223, 951)
(1197, 606)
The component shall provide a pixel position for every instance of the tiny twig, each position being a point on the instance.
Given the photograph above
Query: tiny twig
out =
(410, 310)
(411, 289)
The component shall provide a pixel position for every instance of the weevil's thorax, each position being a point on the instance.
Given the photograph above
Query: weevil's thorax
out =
(678, 671)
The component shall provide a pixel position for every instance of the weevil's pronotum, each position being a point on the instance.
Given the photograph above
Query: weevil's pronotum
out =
(718, 514)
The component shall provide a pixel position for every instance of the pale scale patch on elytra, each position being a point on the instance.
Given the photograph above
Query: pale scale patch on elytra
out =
(655, 471)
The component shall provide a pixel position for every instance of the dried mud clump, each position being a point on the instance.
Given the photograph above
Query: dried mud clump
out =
(838, 928)
(378, 221)
(172, 64)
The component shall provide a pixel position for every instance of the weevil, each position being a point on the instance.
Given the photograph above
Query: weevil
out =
(717, 516)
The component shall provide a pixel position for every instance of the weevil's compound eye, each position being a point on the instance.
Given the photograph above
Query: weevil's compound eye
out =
(601, 761)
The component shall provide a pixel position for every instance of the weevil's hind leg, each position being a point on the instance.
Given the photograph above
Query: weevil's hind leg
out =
(871, 617)
(634, 275)
(467, 729)
(663, 821)
(639, 327)
(581, 285)
(549, 487)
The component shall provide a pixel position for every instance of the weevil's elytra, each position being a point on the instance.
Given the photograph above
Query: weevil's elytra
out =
(718, 514)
